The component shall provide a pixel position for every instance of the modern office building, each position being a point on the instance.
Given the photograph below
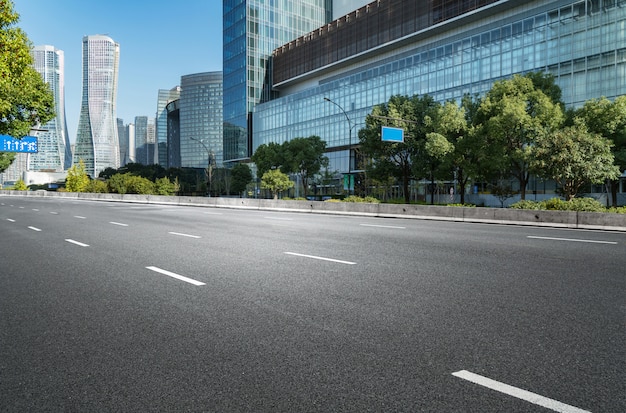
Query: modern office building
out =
(173, 134)
(252, 30)
(164, 98)
(145, 140)
(53, 141)
(201, 120)
(97, 143)
(445, 49)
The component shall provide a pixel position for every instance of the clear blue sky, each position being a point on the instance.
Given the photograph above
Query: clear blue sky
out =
(159, 42)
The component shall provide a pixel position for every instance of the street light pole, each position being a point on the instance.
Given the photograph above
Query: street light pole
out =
(209, 168)
(350, 127)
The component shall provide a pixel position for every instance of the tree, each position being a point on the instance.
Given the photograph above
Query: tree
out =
(163, 186)
(304, 156)
(25, 100)
(414, 115)
(241, 176)
(267, 157)
(275, 181)
(607, 119)
(77, 179)
(512, 116)
(20, 185)
(572, 157)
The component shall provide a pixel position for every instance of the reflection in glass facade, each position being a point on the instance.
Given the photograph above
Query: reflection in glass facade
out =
(53, 141)
(97, 141)
(582, 43)
(201, 120)
(252, 30)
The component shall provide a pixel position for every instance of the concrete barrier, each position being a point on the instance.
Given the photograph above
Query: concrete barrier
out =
(559, 219)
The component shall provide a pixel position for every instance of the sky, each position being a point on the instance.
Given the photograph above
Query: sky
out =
(160, 41)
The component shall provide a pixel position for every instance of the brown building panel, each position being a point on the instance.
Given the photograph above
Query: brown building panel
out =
(375, 24)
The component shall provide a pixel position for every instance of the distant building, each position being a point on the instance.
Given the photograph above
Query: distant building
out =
(53, 141)
(173, 134)
(201, 119)
(252, 30)
(97, 142)
(165, 96)
(145, 140)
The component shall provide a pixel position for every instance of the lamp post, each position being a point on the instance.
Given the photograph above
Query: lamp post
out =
(350, 127)
(209, 169)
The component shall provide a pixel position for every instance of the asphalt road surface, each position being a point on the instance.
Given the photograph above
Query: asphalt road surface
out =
(137, 308)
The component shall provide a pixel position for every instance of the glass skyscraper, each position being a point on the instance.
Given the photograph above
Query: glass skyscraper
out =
(53, 141)
(201, 120)
(444, 51)
(252, 30)
(97, 142)
(165, 96)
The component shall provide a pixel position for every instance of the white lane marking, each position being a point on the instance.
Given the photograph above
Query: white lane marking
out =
(35, 209)
(21, 207)
(518, 393)
(213, 213)
(382, 226)
(573, 240)
(118, 224)
(34, 228)
(54, 213)
(79, 217)
(321, 258)
(174, 275)
(184, 235)
(80, 244)
(10, 220)
(279, 218)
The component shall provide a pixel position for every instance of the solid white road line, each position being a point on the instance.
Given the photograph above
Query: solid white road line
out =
(184, 235)
(279, 218)
(34, 228)
(381, 226)
(518, 393)
(177, 276)
(320, 258)
(80, 244)
(573, 240)
(118, 224)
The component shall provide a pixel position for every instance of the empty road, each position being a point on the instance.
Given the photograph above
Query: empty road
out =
(137, 308)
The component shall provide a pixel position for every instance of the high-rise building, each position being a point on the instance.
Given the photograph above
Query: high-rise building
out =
(53, 140)
(252, 30)
(165, 97)
(97, 143)
(445, 49)
(145, 140)
(201, 120)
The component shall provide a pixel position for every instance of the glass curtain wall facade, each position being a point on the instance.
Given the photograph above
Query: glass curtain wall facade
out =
(201, 120)
(165, 96)
(53, 140)
(582, 43)
(97, 143)
(252, 30)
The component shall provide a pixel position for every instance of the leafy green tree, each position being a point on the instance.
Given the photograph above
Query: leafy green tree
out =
(511, 117)
(304, 156)
(572, 157)
(414, 115)
(163, 186)
(241, 176)
(267, 157)
(20, 185)
(130, 184)
(607, 119)
(275, 181)
(25, 100)
(77, 179)
(96, 186)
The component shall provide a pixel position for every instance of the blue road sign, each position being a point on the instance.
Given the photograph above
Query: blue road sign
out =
(389, 134)
(28, 144)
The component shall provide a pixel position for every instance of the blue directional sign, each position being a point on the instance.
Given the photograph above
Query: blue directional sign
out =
(389, 134)
(28, 144)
